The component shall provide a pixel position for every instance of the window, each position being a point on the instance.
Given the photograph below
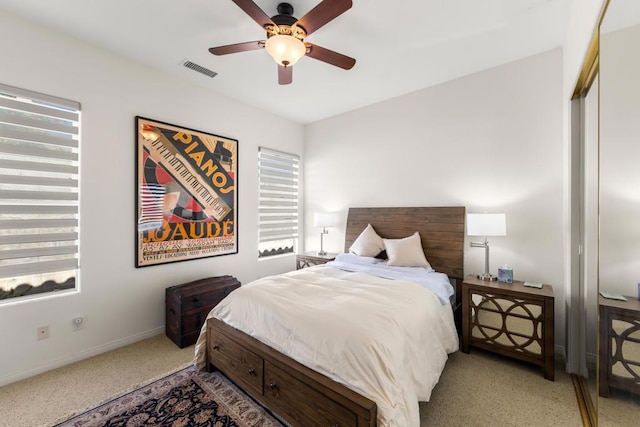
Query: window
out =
(39, 161)
(278, 202)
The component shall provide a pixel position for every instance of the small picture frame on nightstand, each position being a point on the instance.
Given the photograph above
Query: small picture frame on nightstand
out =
(505, 274)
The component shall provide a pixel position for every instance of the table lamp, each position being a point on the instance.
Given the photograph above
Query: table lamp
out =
(486, 224)
(323, 220)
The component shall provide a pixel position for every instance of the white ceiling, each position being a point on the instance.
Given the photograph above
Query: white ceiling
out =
(400, 46)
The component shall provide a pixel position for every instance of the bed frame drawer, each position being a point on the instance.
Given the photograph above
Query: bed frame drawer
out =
(241, 365)
(301, 404)
(300, 395)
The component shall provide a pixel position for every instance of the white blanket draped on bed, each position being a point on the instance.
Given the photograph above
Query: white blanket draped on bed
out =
(385, 339)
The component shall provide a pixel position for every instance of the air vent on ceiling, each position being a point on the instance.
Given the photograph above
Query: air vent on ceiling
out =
(199, 68)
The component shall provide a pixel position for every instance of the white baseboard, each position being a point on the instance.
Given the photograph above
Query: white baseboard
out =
(81, 356)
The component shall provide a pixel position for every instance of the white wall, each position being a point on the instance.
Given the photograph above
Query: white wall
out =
(619, 156)
(120, 303)
(491, 141)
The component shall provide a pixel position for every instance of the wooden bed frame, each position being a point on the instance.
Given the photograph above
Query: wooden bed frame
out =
(300, 395)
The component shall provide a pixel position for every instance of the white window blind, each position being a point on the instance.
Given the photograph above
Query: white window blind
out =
(39, 162)
(278, 175)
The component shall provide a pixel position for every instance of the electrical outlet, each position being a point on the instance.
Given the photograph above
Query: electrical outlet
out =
(43, 332)
(78, 323)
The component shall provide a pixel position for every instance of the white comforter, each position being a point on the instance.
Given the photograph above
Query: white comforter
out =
(385, 339)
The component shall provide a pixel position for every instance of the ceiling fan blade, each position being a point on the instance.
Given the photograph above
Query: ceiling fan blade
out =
(257, 14)
(324, 12)
(238, 47)
(285, 75)
(330, 57)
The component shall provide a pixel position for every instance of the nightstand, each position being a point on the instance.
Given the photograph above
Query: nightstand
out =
(510, 319)
(619, 353)
(312, 258)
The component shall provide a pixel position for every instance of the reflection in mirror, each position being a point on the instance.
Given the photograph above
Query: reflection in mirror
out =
(619, 206)
(589, 261)
(582, 320)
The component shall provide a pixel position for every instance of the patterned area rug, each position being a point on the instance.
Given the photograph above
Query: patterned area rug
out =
(185, 398)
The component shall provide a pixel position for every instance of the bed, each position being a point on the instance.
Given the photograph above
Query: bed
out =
(364, 351)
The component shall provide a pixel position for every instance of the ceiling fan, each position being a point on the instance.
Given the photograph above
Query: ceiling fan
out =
(286, 34)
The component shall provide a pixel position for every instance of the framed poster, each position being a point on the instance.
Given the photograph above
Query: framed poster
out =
(186, 194)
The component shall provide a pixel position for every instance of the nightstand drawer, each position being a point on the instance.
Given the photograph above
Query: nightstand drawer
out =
(511, 323)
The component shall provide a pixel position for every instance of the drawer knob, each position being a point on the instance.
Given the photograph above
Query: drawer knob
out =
(252, 371)
(216, 347)
(273, 386)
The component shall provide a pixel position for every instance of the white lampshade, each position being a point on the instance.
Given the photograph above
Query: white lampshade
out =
(285, 49)
(324, 220)
(486, 224)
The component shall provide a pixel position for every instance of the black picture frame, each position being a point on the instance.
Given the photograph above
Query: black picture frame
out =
(186, 193)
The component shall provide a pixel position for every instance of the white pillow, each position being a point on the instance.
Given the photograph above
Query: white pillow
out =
(406, 252)
(368, 243)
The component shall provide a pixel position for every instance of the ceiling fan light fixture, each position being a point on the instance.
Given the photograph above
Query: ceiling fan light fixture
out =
(285, 49)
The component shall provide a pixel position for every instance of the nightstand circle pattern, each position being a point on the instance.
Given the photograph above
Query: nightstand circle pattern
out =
(512, 323)
(510, 319)
(625, 345)
(619, 366)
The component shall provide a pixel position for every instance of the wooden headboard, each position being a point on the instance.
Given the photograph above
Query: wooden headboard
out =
(441, 230)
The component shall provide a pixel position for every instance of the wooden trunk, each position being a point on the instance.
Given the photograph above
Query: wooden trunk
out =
(187, 306)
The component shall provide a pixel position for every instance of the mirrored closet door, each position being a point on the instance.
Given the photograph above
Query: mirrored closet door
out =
(618, 400)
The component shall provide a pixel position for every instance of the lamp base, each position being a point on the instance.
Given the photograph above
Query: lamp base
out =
(487, 276)
(322, 253)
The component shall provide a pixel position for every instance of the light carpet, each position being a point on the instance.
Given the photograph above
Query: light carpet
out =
(476, 389)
